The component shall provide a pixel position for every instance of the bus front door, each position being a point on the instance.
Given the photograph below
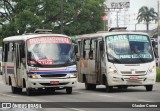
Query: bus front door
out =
(17, 65)
(98, 62)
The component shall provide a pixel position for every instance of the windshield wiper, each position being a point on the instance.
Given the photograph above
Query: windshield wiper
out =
(141, 59)
(69, 62)
(114, 58)
(37, 63)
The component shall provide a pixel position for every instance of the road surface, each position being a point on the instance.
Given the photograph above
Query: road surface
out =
(80, 95)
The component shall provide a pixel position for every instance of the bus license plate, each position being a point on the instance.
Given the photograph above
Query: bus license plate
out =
(133, 78)
(54, 82)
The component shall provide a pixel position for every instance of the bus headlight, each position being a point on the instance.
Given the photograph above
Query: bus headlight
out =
(152, 69)
(74, 75)
(33, 76)
(113, 71)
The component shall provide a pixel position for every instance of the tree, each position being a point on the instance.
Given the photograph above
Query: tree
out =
(147, 15)
(80, 16)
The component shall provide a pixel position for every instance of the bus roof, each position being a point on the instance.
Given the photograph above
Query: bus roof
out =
(25, 37)
(105, 33)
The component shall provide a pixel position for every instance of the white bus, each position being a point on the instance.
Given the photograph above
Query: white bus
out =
(116, 59)
(39, 61)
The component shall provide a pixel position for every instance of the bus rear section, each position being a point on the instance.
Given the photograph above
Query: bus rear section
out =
(40, 62)
(119, 59)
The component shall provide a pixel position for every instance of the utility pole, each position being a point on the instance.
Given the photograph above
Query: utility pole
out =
(158, 33)
(62, 16)
(158, 28)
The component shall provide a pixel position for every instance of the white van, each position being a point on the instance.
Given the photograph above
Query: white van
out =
(111, 59)
(39, 61)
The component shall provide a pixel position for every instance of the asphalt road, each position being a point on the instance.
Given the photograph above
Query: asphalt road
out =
(80, 95)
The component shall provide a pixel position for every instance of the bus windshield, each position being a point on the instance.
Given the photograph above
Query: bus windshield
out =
(50, 51)
(129, 48)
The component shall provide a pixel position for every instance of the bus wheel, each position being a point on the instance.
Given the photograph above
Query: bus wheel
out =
(90, 86)
(122, 87)
(93, 87)
(108, 88)
(19, 90)
(149, 87)
(69, 90)
(50, 90)
(14, 89)
(87, 86)
(29, 91)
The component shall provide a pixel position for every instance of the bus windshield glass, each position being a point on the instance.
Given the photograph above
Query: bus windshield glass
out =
(129, 48)
(50, 51)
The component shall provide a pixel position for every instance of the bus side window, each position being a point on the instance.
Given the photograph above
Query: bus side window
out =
(5, 55)
(13, 49)
(84, 52)
(78, 54)
(86, 49)
(10, 52)
(92, 50)
(22, 50)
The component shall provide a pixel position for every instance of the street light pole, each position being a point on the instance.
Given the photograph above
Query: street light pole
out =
(61, 16)
(158, 28)
(136, 26)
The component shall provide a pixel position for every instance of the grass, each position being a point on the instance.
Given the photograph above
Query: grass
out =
(158, 74)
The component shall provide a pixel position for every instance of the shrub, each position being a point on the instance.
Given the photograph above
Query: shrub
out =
(158, 74)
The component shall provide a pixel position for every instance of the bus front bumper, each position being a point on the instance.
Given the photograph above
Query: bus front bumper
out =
(57, 83)
(116, 80)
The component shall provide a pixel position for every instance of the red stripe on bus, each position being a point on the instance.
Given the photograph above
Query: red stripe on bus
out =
(8, 67)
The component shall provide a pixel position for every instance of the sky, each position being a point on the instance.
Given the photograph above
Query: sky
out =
(128, 17)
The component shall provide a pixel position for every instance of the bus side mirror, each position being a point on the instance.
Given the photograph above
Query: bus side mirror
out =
(153, 44)
(155, 52)
(101, 46)
(75, 48)
(154, 49)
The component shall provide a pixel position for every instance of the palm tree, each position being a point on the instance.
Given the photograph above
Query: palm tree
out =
(147, 15)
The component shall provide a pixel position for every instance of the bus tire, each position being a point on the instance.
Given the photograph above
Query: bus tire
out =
(93, 87)
(50, 90)
(69, 90)
(88, 86)
(108, 88)
(122, 87)
(14, 89)
(149, 87)
(29, 91)
(125, 87)
(19, 90)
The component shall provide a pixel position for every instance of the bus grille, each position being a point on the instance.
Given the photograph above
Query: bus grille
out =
(129, 72)
(48, 84)
(54, 75)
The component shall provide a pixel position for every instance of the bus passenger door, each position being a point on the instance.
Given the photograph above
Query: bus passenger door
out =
(4, 64)
(98, 62)
(17, 65)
